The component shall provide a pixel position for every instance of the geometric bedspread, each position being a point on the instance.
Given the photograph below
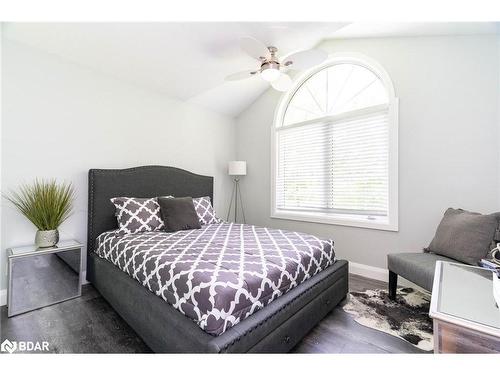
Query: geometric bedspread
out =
(220, 274)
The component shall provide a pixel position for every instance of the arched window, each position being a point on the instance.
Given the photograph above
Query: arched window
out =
(335, 147)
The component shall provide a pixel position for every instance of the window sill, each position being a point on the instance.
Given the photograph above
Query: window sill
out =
(337, 219)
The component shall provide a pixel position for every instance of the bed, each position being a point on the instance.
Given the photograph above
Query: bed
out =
(163, 316)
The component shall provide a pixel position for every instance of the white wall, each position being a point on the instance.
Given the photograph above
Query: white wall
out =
(60, 120)
(3, 292)
(448, 89)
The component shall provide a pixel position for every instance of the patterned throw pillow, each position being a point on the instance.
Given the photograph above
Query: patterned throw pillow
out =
(205, 211)
(137, 215)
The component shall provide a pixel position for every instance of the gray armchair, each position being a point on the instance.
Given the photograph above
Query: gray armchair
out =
(461, 237)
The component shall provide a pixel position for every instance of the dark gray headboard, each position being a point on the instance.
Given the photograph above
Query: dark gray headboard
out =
(140, 182)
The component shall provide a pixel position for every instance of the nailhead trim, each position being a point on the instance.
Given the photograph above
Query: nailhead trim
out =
(93, 172)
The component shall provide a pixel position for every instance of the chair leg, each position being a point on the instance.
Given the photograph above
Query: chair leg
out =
(393, 284)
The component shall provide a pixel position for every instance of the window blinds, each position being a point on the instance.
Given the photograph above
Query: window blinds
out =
(336, 164)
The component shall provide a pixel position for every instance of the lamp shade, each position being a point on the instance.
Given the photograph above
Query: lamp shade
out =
(237, 168)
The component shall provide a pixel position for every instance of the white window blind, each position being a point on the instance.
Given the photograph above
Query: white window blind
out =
(335, 164)
(335, 147)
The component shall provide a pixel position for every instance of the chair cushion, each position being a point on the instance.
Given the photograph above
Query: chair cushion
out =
(464, 236)
(416, 267)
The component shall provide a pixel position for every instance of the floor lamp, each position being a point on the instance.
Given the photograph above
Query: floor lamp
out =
(236, 169)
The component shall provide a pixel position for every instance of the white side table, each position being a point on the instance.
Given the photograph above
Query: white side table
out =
(39, 277)
(466, 318)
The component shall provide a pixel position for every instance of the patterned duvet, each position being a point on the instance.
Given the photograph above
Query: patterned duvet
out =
(220, 274)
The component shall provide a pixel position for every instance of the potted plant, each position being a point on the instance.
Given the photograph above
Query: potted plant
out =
(47, 205)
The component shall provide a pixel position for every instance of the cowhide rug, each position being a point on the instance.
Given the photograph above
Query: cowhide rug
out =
(406, 317)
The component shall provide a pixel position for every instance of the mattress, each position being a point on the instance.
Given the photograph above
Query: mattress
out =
(220, 274)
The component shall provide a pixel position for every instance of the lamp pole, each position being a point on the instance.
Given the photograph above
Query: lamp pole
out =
(236, 183)
(236, 169)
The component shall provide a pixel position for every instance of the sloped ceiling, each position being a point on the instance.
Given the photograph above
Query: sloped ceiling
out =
(188, 61)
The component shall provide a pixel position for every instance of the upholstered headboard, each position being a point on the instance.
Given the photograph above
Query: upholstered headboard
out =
(140, 182)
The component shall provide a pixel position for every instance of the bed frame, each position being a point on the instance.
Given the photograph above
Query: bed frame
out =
(278, 327)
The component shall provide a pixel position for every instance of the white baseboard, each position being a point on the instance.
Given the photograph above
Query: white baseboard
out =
(380, 274)
(368, 271)
(364, 270)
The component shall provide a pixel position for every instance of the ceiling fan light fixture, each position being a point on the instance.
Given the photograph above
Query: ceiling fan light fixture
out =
(270, 71)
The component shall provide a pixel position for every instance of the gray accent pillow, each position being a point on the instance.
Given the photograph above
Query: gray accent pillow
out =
(464, 236)
(178, 214)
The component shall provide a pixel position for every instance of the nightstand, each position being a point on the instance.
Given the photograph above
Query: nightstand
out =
(466, 318)
(39, 277)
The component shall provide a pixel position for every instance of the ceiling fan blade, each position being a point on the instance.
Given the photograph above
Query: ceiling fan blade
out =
(241, 75)
(283, 83)
(305, 59)
(254, 48)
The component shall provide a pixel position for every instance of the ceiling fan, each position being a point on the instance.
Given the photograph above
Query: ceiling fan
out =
(271, 67)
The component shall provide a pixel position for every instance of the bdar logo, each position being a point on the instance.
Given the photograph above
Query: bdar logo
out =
(8, 346)
(24, 346)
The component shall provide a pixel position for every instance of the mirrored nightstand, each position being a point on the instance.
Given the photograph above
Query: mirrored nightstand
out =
(466, 318)
(39, 277)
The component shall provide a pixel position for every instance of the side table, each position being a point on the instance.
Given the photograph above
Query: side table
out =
(38, 277)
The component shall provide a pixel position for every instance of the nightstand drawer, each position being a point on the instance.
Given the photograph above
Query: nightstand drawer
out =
(456, 339)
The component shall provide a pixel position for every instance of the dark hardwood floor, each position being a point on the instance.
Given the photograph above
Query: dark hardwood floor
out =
(89, 325)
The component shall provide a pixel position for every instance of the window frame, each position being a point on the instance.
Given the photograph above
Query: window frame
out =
(391, 222)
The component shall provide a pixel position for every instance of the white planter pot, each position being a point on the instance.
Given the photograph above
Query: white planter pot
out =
(46, 238)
